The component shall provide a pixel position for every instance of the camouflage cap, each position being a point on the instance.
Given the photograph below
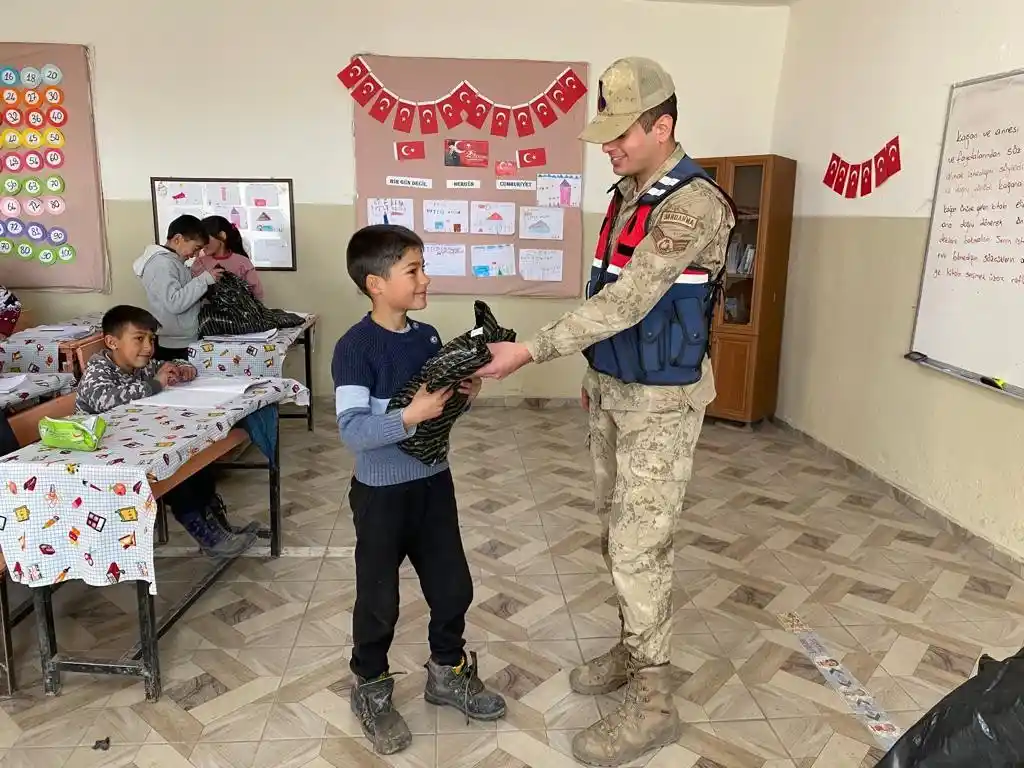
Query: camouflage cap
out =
(626, 90)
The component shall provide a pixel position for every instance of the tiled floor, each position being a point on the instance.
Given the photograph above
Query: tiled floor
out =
(256, 673)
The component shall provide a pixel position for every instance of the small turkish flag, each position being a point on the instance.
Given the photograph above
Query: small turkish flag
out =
(833, 169)
(499, 120)
(865, 178)
(542, 109)
(839, 185)
(573, 87)
(451, 109)
(382, 106)
(404, 113)
(881, 168)
(428, 117)
(892, 157)
(853, 180)
(524, 122)
(476, 114)
(368, 87)
(557, 95)
(354, 72)
(465, 94)
(410, 150)
(531, 158)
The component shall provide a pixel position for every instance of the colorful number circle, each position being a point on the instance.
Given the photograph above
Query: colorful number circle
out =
(55, 184)
(51, 74)
(32, 98)
(54, 96)
(47, 257)
(9, 97)
(15, 227)
(54, 138)
(54, 158)
(6, 247)
(57, 116)
(66, 253)
(32, 139)
(32, 186)
(11, 186)
(57, 236)
(26, 251)
(33, 160)
(34, 207)
(8, 76)
(9, 206)
(13, 117)
(13, 162)
(10, 138)
(55, 205)
(30, 77)
(36, 232)
(35, 119)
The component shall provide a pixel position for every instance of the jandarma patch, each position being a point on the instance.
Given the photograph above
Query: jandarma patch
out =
(682, 219)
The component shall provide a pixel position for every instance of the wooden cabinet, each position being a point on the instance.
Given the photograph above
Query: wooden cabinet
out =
(747, 332)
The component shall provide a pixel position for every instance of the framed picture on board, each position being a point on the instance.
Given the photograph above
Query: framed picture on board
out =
(263, 210)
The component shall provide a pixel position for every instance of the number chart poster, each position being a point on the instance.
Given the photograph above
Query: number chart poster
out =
(51, 205)
(480, 157)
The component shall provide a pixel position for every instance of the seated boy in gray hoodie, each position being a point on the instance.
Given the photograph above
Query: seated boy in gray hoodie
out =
(174, 295)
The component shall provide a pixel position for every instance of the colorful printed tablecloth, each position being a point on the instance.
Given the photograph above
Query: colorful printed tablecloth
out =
(250, 358)
(90, 516)
(36, 385)
(28, 352)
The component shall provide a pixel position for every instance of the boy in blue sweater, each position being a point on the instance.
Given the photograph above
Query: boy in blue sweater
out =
(401, 507)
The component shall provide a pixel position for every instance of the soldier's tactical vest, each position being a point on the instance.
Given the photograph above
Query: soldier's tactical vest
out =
(668, 346)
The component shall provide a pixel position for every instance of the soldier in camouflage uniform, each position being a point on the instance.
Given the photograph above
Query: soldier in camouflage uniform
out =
(642, 435)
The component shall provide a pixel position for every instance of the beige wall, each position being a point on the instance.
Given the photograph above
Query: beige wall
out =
(321, 285)
(853, 283)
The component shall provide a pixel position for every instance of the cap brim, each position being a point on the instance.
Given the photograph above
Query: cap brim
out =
(605, 128)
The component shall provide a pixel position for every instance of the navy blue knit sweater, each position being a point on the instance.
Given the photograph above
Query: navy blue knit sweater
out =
(370, 365)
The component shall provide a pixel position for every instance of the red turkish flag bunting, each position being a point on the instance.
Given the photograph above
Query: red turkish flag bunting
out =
(881, 172)
(557, 95)
(405, 111)
(839, 185)
(383, 105)
(865, 178)
(833, 169)
(892, 157)
(500, 117)
(524, 122)
(368, 87)
(428, 117)
(531, 158)
(476, 114)
(542, 109)
(354, 72)
(466, 95)
(853, 180)
(410, 150)
(573, 87)
(451, 109)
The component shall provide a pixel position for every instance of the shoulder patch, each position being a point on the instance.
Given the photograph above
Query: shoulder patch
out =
(677, 217)
(665, 243)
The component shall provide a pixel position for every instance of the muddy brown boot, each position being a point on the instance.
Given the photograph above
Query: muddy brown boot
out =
(646, 720)
(603, 674)
(382, 725)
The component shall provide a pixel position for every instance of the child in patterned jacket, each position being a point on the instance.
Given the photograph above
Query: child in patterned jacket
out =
(126, 371)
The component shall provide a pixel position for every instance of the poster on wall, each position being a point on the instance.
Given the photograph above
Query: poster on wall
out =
(263, 210)
(51, 205)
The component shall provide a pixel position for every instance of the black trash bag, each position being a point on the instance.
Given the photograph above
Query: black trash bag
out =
(230, 309)
(456, 361)
(981, 723)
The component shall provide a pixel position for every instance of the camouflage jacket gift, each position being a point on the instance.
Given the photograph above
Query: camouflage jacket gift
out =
(230, 309)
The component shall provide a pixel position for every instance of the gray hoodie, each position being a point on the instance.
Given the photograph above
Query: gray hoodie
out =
(173, 294)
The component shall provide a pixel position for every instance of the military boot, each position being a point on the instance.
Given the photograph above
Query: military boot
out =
(382, 725)
(461, 687)
(603, 674)
(646, 720)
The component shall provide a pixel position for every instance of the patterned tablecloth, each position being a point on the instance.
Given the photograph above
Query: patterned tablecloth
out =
(250, 358)
(90, 516)
(36, 385)
(28, 352)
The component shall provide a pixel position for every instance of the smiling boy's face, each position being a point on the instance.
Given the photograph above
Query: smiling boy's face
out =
(405, 288)
(185, 247)
(132, 348)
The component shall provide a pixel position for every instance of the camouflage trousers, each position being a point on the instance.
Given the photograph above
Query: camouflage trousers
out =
(642, 463)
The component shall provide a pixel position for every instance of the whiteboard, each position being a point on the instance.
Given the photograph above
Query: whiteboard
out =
(263, 210)
(972, 287)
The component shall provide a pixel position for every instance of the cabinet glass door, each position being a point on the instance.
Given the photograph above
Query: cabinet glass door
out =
(741, 258)
(712, 167)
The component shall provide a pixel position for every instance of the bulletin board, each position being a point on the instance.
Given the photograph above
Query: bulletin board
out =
(480, 157)
(263, 210)
(52, 232)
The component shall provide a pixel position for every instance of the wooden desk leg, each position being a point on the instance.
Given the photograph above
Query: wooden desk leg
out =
(148, 641)
(9, 683)
(47, 637)
(161, 522)
(275, 493)
(308, 336)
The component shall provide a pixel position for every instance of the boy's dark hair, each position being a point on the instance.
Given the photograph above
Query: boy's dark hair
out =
(667, 107)
(375, 249)
(189, 227)
(118, 318)
(214, 225)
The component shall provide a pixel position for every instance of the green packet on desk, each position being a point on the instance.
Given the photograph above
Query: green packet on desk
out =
(72, 433)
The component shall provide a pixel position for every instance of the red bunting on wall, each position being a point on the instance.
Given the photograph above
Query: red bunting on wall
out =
(852, 180)
(464, 103)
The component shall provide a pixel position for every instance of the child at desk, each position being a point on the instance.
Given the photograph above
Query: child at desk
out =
(225, 249)
(174, 294)
(127, 371)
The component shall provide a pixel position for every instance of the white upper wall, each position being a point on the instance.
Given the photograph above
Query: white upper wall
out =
(858, 72)
(237, 88)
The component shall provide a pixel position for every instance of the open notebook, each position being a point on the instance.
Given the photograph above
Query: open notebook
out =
(204, 392)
